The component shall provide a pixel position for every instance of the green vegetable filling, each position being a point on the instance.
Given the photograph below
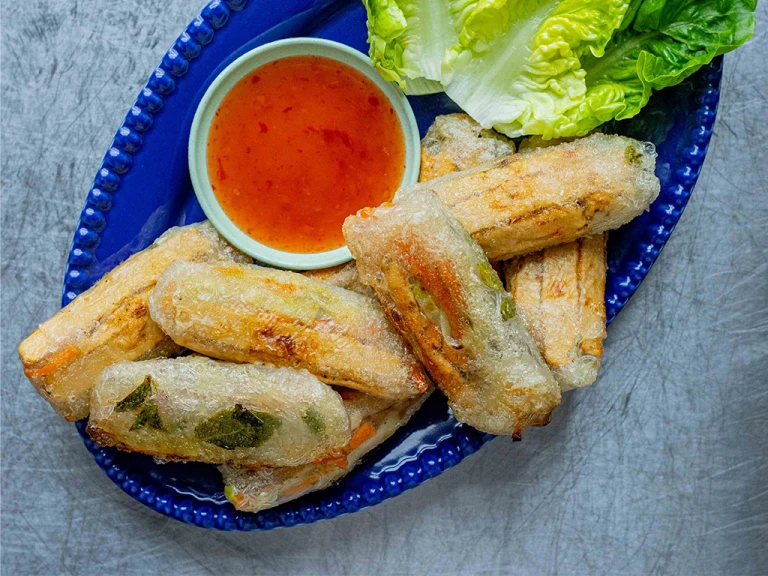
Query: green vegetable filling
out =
(135, 398)
(632, 155)
(507, 307)
(430, 309)
(237, 428)
(489, 277)
(314, 421)
(148, 417)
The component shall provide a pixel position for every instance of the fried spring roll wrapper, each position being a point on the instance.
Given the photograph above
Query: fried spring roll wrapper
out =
(455, 142)
(561, 293)
(110, 322)
(249, 314)
(437, 287)
(526, 202)
(204, 410)
(343, 276)
(255, 490)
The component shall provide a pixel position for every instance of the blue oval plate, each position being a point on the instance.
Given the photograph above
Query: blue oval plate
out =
(143, 188)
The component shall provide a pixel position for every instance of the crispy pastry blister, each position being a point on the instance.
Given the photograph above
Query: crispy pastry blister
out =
(249, 314)
(110, 322)
(205, 410)
(255, 490)
(526, 202)
(437, 287)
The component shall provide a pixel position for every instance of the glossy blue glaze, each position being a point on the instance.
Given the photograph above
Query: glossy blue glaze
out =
(143, 188)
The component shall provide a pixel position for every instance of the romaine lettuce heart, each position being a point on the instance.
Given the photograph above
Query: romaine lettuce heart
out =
(408, 39)
(554, 68)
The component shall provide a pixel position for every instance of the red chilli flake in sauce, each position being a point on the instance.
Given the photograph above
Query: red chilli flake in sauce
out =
(298, 145)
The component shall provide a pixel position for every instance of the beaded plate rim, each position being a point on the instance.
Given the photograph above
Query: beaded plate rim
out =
(429, 461)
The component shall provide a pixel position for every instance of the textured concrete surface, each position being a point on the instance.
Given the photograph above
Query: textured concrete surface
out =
(661, 468)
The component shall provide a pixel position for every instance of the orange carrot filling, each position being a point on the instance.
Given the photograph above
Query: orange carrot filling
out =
(363, 433)
(58, 359)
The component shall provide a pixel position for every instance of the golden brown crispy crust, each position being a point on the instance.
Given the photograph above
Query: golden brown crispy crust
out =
(561, 293)
(284, 341)
(592, 270)
(109, 322)
(344, 341)
(441, 359)
(526, 202)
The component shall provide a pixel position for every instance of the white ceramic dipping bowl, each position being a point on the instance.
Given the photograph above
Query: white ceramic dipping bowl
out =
(232, 74)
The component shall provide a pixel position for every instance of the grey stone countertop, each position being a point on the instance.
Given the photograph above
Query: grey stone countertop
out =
(660, 468)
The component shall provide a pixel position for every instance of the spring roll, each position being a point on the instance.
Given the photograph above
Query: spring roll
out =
(438, 288)
(255, 490)
(249, 314)
(455, 142)
(560, 292)
(199, 409)
(110, 322)
(526, 202)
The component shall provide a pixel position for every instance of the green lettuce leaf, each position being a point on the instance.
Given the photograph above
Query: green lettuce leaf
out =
(661, 43)
(517, 63)
(554, 68)
(408, 39)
